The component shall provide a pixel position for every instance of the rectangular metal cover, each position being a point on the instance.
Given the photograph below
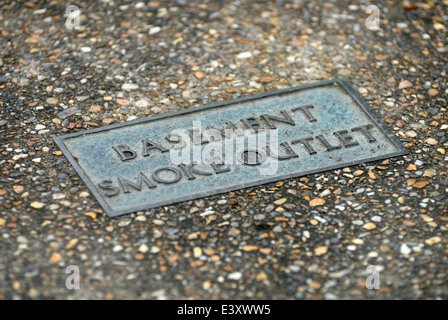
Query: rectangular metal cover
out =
(229, 145)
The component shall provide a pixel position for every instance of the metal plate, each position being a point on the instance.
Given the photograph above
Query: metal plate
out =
(188, 154)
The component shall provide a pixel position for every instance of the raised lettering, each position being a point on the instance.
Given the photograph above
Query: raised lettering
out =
(125, 183)
(289, 152)
(365, 131)
(189, 170)
(304, 142)
(252, 157)
(149, 145)
(177, 139)
(125, 152)
(326, 144)
(251, 123)
(216, 134)
(177, 175)
(106, 185)
(237, 131)
(197, 137)
(219, 166)
(305, 110)
(346, 139)
(286, 119)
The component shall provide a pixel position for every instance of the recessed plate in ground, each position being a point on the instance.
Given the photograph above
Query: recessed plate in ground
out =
(229, 145)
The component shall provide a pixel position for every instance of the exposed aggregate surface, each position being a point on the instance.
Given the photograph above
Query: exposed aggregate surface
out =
(306, 238)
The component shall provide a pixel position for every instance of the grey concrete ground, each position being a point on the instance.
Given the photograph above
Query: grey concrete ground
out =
(306, 238)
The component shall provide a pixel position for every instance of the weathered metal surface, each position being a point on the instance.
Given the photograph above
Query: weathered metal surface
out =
(137, 165)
